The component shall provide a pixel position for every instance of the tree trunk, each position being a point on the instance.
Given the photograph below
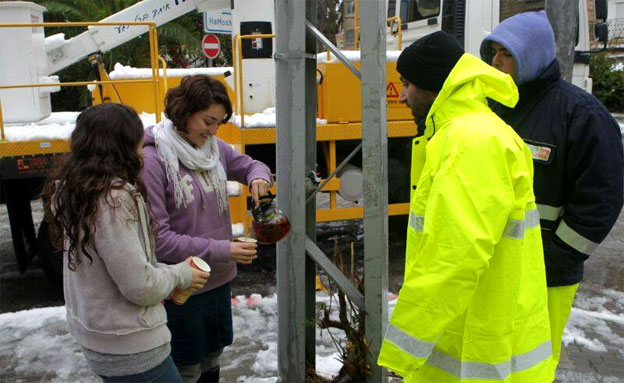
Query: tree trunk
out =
(564, 16)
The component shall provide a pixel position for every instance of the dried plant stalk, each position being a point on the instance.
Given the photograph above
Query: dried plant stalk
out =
(351, 321)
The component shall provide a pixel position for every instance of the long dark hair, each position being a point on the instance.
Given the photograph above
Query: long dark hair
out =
(103, 158)
(195, 93)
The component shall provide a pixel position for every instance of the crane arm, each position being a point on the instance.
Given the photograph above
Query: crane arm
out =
(104, 38)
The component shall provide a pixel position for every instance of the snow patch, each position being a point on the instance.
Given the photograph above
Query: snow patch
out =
(60, 125)
(328, 366)
(233, 188)
(54, 41)
(577, 336)
(123, 72)
(593, 319)
(266, 119)
(56, 127)
(354, 56)
(568, 376)
(36, 344)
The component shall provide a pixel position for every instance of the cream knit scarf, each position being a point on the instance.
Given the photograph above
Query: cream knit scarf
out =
(171, 147)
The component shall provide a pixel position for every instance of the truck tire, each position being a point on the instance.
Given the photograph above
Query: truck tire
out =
(50, 257)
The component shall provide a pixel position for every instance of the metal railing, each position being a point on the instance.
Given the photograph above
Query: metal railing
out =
(399, 34)
(164, 68)
(154, 59)
(616, 33)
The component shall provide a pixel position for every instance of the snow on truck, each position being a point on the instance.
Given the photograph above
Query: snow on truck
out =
(33, 138)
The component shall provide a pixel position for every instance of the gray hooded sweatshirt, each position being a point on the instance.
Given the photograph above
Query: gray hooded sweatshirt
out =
(114, 304)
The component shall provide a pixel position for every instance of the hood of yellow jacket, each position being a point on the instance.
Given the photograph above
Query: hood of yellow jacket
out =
(466, 90)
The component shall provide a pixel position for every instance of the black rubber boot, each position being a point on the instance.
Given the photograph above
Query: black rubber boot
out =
(210, 376)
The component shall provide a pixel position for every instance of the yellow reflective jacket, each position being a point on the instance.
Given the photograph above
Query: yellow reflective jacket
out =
(473, 306)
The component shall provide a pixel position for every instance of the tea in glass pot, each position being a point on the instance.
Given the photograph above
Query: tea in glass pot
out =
(269, 223)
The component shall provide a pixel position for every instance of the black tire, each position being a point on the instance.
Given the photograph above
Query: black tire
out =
(51, 258)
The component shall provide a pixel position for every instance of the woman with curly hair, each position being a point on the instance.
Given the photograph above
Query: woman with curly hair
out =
(113, 285)
(186, 171)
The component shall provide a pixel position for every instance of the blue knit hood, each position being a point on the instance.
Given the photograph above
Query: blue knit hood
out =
(529, 38)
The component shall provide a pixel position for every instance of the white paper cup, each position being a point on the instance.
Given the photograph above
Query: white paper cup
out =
(178, 295)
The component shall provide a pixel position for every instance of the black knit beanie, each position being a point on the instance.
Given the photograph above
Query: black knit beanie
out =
(429, 60)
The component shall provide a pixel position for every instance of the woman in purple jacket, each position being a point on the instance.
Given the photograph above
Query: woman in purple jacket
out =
(186, 171)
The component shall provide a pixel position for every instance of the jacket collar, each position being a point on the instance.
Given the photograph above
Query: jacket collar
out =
(532, 89)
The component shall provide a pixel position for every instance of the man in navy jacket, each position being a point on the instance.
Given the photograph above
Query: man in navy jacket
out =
(577, 152)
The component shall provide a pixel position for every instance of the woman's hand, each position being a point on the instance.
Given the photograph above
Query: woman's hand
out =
(259, 187)
(243, 252)
(198, 277)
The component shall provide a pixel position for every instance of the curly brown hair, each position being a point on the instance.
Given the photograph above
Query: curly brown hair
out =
(103, 158)
(195, 93)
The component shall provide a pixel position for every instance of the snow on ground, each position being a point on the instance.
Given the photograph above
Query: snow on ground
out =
(584, 377)
(36, 344)
(597, 322)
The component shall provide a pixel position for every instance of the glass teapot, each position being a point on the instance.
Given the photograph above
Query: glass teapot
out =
(269, 223)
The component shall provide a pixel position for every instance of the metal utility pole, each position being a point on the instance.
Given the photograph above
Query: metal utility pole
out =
(564, 18)
(296, 150)
(375, 166)
(310, 161)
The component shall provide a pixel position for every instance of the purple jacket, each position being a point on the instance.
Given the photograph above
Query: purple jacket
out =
(197, 230)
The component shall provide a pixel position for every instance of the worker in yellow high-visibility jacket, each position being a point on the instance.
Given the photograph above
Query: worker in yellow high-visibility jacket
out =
(473, 306)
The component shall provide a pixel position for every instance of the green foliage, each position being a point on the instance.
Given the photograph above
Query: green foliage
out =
(329, 18)
(179, 43)
(608, 84)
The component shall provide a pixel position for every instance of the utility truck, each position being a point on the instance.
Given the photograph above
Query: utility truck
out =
(471, 21)
(28, 150)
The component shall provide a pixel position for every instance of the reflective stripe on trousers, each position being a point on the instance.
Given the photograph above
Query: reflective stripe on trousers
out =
(467, 370)
(514, 229)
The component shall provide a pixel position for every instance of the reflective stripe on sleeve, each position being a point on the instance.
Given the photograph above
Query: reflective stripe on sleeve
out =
(415, 347)
(549, 213)
(574, 239)
(515, 228)
(417, 222)
(497, 371)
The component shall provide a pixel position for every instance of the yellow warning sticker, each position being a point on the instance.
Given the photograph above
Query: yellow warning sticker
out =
(391, 91)
(393, 95)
